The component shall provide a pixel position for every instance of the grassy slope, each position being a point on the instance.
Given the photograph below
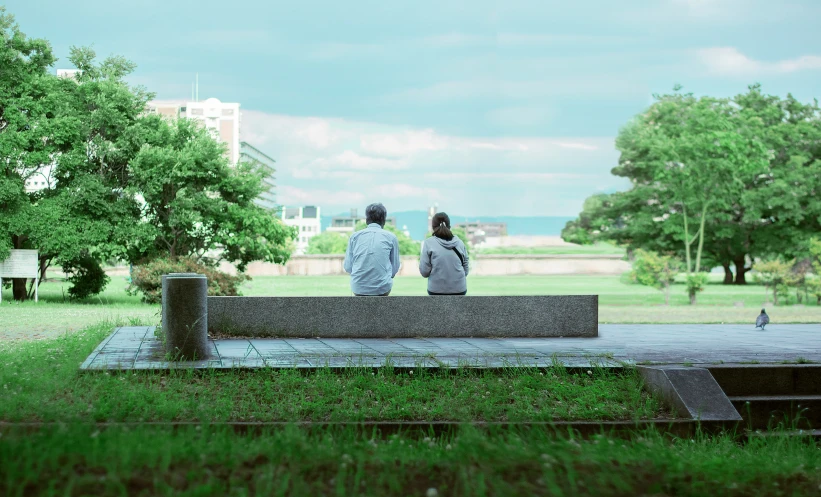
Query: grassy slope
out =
(208, 461)
(41, 381)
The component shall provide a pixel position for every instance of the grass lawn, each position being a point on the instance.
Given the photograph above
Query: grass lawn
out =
(40, 381)
(205, 461)
(619, 302)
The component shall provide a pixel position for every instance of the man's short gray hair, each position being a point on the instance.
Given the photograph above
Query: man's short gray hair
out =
(376, 213)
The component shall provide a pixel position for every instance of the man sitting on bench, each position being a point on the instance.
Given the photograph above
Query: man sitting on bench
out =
(372, 257)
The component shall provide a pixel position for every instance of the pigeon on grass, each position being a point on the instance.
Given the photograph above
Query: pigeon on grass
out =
(762, 320)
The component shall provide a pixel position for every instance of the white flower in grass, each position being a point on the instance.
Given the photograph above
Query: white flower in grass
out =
(432, 492)
(448, 447)
(589, 372)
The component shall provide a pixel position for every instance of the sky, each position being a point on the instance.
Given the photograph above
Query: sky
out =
(502, 107)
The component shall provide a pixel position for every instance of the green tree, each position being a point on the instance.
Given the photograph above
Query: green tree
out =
(775, 275)
(329, 242)
(761, 166)
(590, 223)
(758, 154)
(194, 204)
(654, 270)
(66, 133)
(407, 246)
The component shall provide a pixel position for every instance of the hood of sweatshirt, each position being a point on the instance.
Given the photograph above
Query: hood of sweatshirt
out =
(448, 244)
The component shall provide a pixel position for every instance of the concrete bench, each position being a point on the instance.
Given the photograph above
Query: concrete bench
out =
(397, 317)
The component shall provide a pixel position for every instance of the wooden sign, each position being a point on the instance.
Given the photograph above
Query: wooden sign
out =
(21, 264)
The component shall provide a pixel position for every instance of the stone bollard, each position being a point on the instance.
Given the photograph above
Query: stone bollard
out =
(185, 315)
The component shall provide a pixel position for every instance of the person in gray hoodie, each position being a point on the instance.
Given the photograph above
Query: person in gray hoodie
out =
(444, 260)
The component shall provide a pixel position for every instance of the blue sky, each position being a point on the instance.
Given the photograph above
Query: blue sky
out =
(487, 107)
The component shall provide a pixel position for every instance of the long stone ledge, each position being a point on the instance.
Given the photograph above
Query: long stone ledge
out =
(405, 317)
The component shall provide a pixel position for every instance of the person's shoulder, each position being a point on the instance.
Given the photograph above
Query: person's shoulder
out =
(389, 234)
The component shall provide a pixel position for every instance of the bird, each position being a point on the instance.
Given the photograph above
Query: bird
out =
(762, 320)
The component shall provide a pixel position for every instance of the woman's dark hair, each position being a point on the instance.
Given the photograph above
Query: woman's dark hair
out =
(441, 226)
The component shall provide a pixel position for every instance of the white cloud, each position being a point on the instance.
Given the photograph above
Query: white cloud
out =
(403, 143)
(356, 161)
(394, 190)
(291, 195)
(460, 90)
(338, 164)
(730, 61)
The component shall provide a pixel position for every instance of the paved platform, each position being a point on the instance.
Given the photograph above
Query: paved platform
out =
(138, 348)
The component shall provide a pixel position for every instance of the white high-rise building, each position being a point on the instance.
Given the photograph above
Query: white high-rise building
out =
(221, 118)
(307, 220)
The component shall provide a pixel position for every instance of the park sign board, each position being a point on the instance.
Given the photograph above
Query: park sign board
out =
(21, 264)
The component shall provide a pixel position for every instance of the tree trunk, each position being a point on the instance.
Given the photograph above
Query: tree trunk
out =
(740, 270)
(18, 289)
(692, 299)
(728, 274)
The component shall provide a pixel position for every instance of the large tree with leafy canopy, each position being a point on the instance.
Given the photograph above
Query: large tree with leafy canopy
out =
(195, 204)
(65, 132)
(119, 184)
(729, 179)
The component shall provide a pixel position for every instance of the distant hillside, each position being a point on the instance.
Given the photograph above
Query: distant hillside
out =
(417, 223)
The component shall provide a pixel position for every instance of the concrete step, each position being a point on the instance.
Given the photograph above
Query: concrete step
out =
(767, 379)
(801, 412)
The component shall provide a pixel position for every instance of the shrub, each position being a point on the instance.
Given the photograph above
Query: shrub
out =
(147, 278)
(777, 275)
(657, 271)
(86, 276)
(695, 283)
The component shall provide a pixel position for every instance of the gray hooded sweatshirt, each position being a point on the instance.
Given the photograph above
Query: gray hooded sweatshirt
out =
(442, 267)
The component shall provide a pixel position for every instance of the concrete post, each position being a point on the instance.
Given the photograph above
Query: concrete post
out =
(185, 315)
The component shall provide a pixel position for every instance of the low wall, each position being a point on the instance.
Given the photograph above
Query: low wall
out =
(486, 265)
(405, 317)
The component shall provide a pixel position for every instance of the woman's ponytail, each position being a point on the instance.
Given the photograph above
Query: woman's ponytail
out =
(441, 226)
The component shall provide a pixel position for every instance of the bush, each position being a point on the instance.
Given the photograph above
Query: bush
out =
(147, 279)
(657, 271)
(87, 277)
(695, 283)
(777, 275)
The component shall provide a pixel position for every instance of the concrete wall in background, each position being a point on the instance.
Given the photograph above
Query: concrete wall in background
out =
(487, 265)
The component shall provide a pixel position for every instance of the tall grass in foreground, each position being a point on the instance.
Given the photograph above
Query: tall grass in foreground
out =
(40, 381)
(208, 461)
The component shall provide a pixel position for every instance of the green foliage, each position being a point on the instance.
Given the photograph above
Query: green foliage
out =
(590, 223)
(814, 288)
(329, 242)
(196, 203)
(654, 270)
(814, 249)
(407, 246)
(147, 279)
(735, 179)
(86, 276)
(776, 275)
(695, 283)
(74, 134)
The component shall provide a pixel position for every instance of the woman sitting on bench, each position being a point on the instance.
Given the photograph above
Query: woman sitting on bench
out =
(444, 260)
